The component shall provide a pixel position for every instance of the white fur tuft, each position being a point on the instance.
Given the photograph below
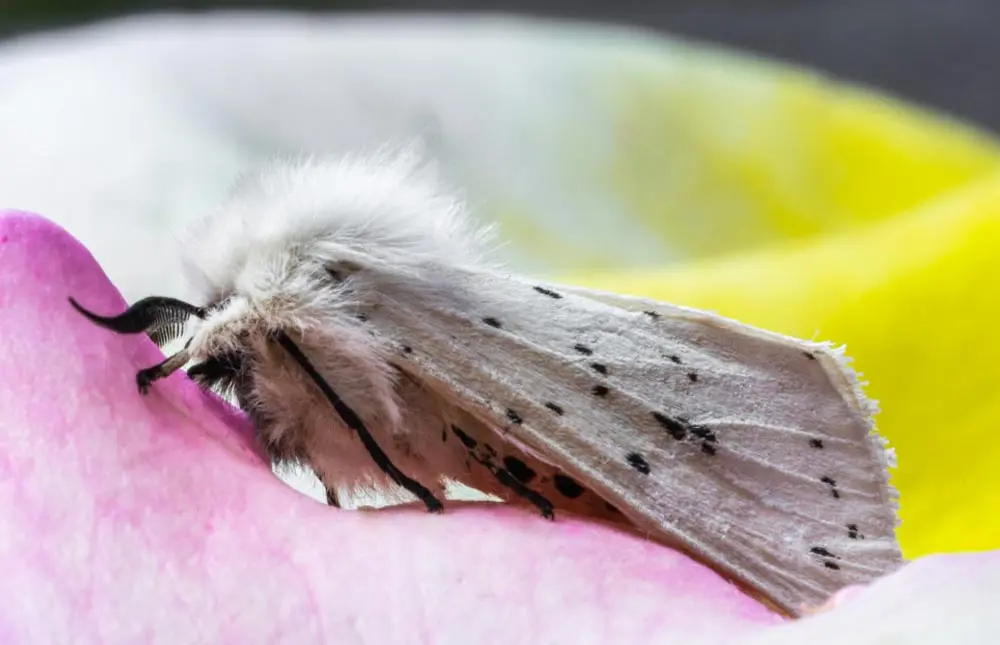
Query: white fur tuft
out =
(386, 208)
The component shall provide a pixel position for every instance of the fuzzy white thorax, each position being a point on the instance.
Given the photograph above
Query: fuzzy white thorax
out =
(386, 208)
(266, 250)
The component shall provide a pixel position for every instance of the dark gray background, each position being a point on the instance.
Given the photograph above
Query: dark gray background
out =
(938, 52)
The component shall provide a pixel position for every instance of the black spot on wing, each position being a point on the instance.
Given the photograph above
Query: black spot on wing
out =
(701, 432)
(567, 487)
(548, 292)
(638, 462)
(652, 314)
(407, 349)
(492, 322)
(674, 428)
(583, 349)
(830, 557)
(600, 368)
(818, 550)
(854, 533)
(692, 377)
(832, 483)
(675, 358)
(810, 355)
(518, 469)
(555, 408)
(466, 440)
(600, 390)
(514, 416)
(816, 443)
(680, 429)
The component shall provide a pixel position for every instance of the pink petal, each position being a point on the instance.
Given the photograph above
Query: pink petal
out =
(129, 519)
(936, 600)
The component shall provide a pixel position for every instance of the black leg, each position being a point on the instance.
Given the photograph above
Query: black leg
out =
(353, 421)
(504, 477)
(145, 378)
(536, 498)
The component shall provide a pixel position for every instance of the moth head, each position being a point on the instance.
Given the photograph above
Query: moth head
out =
(246, 317)
(223, 359)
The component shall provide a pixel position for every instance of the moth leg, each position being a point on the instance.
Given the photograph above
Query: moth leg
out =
(508, 480)
(381, 460)
(145, 377)
(519, 489)
(354, 422)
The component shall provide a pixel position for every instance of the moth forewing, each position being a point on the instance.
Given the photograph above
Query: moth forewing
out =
(735, 444)
(833, 360)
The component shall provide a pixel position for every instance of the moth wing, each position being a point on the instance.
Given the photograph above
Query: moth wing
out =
(749, 450)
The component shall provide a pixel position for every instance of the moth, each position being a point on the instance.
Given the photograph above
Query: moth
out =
(351, 309)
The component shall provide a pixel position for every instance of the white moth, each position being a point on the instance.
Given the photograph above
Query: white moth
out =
(349, 310)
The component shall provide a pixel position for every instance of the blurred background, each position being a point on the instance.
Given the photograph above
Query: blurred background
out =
(934, 52)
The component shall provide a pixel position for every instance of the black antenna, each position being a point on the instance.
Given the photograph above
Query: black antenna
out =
(163, 318)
